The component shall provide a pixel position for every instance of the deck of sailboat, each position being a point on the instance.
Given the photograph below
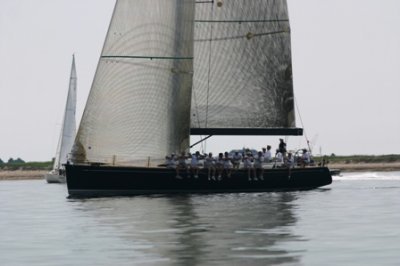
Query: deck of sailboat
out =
(54, 177)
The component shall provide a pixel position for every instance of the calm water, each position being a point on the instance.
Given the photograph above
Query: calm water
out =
(354, 221)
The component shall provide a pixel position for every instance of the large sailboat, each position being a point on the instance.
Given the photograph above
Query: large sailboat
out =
(173, 68)
(68, 131)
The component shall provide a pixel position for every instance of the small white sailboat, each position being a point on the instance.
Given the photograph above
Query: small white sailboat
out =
(68, 132)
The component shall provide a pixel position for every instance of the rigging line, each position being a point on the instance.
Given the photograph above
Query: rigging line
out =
(209, 136)
(197, 116)
(302, 125)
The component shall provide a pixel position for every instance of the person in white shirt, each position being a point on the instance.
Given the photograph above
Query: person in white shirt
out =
(258, 160)
(305, 158)
(278, 157)
(209, 163)
(227, 164)
(267, 154)
(248, 164)
(289, 162)
(194, 164)
(236, 159)
(170, 161)
(219, 165)
(181, 164)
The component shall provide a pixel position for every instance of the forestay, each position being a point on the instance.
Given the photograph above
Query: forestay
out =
(242, 69)
(139, 105)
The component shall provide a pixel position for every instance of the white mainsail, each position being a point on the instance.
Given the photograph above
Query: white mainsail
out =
(138, 109)
(242, 65)
(68, 129)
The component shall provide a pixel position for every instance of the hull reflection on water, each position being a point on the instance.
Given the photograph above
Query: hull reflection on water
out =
(200, 229)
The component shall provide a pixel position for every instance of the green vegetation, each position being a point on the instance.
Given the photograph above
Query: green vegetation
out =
(19, 164)
(361, 158)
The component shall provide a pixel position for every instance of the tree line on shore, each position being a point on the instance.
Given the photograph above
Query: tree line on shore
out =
(11, 161)
(19, 164)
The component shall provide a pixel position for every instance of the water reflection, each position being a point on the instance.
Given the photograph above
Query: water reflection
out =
(190, 245)
(198, 229)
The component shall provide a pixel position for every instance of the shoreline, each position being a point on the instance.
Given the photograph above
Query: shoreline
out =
(366, 167)
(22, 174)
(343, 167)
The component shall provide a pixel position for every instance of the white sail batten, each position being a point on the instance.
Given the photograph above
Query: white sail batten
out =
(68, 127)
(138, 109)
(242, 67)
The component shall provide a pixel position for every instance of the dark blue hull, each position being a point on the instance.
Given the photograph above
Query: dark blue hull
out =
(94, 181)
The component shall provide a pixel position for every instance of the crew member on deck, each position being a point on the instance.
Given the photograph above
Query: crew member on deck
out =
(289, 161)
(236, 159)
(209, 163)
(219, 164)
(181, 164)
(195, 163)
(248, 164)
(258, 169)
(170, 161)
(278, 156)
(305, 158)
(267, 154)
(282, 147)
(227, 164)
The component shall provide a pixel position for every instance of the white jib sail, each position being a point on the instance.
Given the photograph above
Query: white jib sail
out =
(138, 109)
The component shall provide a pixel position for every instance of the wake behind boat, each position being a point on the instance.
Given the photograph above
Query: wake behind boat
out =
(335, 171)
(175, 68)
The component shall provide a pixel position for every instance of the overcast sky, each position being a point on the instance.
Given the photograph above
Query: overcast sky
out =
(346, 64)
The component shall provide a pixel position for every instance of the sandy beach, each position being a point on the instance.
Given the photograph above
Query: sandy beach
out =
(22, 174)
